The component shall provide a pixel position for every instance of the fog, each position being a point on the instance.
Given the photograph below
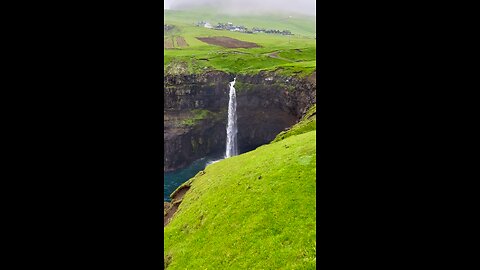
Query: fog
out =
(246, 6)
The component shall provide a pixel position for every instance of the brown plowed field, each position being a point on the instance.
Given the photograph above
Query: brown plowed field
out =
(168, 43)
(181, 42)
(228, 42)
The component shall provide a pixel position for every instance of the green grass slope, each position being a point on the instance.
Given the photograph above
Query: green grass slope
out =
(252, 211)
(283, 54)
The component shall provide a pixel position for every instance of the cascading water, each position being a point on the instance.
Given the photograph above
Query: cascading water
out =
(232, 123)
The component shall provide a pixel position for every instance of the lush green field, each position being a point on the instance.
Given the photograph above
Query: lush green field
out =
(287, 54)
(252, 211)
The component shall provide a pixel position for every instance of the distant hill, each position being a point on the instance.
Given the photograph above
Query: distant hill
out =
(296, 23)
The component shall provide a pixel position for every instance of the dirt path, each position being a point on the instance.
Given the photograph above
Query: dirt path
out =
(275, 55)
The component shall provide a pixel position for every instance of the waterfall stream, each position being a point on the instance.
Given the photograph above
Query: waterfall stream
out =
(232, 148)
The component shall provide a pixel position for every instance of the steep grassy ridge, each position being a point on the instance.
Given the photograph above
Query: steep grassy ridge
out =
(253, 211)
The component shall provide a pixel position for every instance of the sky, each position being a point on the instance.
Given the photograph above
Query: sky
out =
(166, 4)
(246, 6)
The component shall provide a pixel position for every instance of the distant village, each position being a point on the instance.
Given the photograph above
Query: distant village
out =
(240, 28)
(167, 27)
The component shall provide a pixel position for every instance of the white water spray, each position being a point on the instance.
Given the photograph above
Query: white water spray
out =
(232, 123)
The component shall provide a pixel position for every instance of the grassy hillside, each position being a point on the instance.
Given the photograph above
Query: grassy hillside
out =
(252, 211)
(286, 54)
(301, 25)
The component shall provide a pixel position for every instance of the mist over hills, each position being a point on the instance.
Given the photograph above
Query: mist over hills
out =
(245, 7)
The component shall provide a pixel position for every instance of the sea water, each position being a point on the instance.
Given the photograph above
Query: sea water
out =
(172, 180)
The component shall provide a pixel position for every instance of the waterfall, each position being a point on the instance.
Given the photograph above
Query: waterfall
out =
(232, 123)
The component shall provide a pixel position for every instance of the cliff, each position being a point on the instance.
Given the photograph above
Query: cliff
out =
(195, 112)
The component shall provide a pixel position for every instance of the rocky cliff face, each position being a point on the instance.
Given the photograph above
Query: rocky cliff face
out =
(195, 114)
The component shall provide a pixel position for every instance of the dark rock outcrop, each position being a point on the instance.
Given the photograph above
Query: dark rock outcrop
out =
(266, 104)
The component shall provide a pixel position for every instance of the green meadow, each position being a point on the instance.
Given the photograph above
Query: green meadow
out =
(293, 54)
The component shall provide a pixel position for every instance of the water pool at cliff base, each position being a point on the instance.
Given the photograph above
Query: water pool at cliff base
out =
(172, 180)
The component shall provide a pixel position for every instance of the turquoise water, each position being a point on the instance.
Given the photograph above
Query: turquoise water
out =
(172, 180)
